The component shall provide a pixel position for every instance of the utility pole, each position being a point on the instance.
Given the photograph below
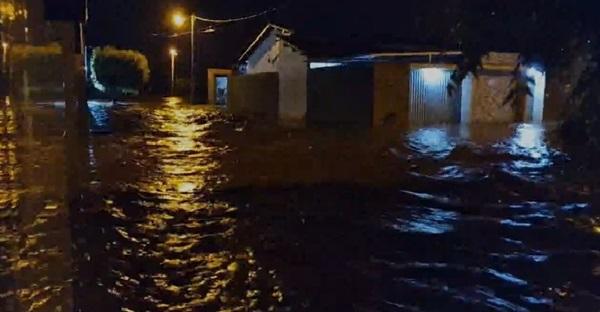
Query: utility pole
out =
(192, 59)
(179, 20)
(82, 38)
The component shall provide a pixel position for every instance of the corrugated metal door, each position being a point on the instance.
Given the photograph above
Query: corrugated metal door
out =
(430, 102)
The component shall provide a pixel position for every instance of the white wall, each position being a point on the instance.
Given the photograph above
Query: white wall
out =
(293, 68)
(466, 99)
(274, 55)
(264, 57)
(535, 103)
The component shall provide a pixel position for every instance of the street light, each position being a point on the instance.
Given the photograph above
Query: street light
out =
(179, 20)
(173, 53)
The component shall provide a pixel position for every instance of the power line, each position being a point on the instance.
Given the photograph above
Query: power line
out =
(237, 19)
(212, 29)
(181, 34)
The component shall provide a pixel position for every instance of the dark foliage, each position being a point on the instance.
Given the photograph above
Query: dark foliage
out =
(118, 72)
(557, 34)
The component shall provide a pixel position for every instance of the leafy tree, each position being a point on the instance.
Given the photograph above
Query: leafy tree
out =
(557, 34)
(551, 32)
(119, 72)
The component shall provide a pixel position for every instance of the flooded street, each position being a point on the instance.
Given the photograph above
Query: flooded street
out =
(184, 209)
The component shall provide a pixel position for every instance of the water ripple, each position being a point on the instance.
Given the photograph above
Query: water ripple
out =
(471, 220)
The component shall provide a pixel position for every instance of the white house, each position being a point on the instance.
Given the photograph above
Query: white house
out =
(404, 86)
(272, 53)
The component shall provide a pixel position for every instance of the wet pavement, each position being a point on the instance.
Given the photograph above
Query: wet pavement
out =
(183, 209)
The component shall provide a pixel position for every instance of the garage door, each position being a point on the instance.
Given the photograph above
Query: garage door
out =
(430, 102)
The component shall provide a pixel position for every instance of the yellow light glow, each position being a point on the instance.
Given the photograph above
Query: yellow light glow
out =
(8, 11)
(178, 19)
(173, 52)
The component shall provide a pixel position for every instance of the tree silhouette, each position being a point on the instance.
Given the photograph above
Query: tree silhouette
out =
(118, 72)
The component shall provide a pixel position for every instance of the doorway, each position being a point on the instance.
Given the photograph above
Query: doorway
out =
(218, 82)
(221, 83)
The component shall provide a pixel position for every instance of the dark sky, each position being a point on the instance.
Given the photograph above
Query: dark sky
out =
(134, 24)
(130, 22)
(143, 24)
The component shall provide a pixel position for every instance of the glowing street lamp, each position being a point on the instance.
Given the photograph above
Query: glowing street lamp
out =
(179, 20)
(173, 53)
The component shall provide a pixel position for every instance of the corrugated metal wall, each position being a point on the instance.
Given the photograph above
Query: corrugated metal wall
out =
(430, 102)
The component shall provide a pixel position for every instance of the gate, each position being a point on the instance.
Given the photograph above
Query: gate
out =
(430, 102)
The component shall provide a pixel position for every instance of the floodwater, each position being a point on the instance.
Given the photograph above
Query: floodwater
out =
(182, 209)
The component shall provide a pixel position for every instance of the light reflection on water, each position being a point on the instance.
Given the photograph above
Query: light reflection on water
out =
(170, 240)
(473, 227)
(100, 116)
(9, 198)
(34, 234)
(511, 192)
(529, 142)
(425, 221)
(432, 142)
(525, 153)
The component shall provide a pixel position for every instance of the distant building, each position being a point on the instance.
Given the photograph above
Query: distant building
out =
(42, 27)
(29, 21)
(401, 88)
(362, 86)
(272, 53)
(485, 96)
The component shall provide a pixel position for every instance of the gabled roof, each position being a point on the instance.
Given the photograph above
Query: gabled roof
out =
(325, 48)
(281, 31)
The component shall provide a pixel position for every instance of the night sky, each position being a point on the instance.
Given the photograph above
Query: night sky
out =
(131, 22)
(144, 25)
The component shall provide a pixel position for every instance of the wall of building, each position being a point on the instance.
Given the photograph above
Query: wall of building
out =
(341, 95)
(391, 94)
(274, 55)
(489, 96)
(466, 99)
(292, 67)
(264, 57)
(254, 95)
(49, 77)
